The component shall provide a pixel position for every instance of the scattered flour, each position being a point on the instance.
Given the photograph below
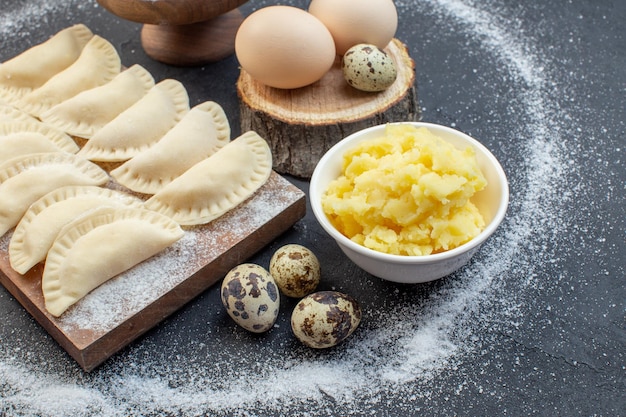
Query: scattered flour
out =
(400, 352)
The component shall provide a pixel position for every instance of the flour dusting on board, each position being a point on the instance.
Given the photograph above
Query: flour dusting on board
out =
(127, 294)
(406, 342)
(115, 301)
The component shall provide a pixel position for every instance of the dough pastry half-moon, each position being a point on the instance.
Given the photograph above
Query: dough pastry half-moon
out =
(33, 67)
(201, 133)
(44, 219)
(26, 179)
(217, 184)
(98, 246)
(141, 125)
(88, 111)
(97, 64)
(8, 113)
(23, 138)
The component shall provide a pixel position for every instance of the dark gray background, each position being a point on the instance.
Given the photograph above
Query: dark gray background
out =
(541, 326)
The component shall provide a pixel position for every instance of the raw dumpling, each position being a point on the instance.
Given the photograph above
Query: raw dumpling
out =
(217, 184)
(24, 180)
(8, 113)
(141, 125)
(98, 246)
(97, 64)
(23, 138)
(201, 133)
(88, 111)
(33, 67)
(44, 219)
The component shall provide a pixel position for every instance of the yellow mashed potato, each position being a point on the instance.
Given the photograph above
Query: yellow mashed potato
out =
(406, 193)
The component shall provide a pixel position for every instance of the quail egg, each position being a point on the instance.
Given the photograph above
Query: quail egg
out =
(250, 297)
(325, 318)
(368, 68)
(296, 270)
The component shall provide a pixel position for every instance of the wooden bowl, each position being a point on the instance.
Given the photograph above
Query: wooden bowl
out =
(183, 32)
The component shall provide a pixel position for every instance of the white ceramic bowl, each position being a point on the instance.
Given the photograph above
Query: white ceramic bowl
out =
(492, 202)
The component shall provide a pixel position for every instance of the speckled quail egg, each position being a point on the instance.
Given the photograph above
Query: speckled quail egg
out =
(325, 318)
(368, 68)
(251, 298)
(296, 270)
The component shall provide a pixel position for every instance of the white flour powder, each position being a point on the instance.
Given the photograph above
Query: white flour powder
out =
(401, 344)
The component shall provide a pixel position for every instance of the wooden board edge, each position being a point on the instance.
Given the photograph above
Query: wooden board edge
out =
(36, 313)
(91, 355)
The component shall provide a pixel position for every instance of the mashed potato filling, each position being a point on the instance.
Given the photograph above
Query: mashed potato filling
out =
(406, 193)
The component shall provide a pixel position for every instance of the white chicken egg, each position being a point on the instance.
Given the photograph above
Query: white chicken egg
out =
(357, 21)
(284, 47)
(250, 297)
(325, 318)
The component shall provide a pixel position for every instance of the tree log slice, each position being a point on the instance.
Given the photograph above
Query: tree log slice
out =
(301, 124)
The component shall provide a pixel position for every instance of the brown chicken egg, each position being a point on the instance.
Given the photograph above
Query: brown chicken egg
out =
(357, 21)
(284, 47)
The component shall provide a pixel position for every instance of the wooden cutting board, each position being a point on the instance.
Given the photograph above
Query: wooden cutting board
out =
(130, 304)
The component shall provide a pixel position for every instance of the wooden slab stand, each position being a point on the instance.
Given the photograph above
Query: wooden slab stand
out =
(302, 124)
(217, 247)
(183, 32)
